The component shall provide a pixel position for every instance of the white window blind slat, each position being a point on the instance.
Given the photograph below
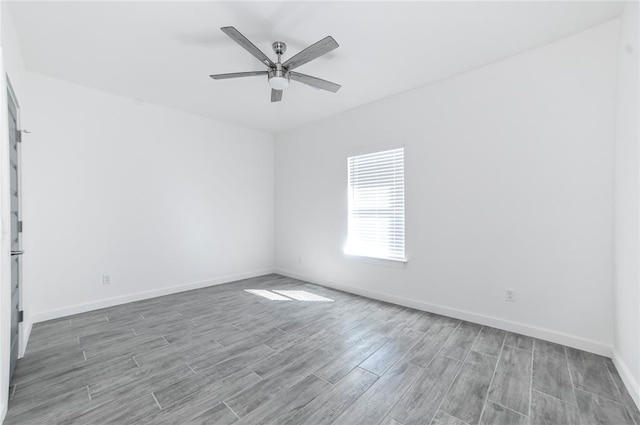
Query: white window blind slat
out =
(376, 205)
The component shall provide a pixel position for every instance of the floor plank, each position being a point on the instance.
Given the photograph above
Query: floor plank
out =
(344, 363)
(374, 404)
(198, 382)
(380, 361)
(288, 403)
(325, 409)
(490, 341)
(421, 402)
(596, 410)
(219, 414)
(442, 418)
(589, 373)
(115, 412)
(511, 385)
(494, 414)
(466, 397)
(547, 410)
(460, 343)
(39, 410)
(186, 408)
(251, 398)
(519, 341)
(423, 352)
(621, 394)
(389, 421)
(551, 372)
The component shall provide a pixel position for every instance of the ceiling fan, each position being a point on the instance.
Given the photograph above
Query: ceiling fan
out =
(279, 73)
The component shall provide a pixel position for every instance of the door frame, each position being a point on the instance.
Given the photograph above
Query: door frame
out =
(11, 93)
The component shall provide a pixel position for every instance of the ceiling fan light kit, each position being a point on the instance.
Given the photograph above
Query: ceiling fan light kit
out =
(279, 74)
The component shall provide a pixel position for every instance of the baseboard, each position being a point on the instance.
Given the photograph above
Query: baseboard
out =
(25, 333)
(496, 322)
(629, 381)
(110, 302)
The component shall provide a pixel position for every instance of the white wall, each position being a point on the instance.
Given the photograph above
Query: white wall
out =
(14, 63)
(154, 197)
(627, 207)
(508, 185)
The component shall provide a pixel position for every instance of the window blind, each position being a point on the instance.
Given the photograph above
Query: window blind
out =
(376, 205)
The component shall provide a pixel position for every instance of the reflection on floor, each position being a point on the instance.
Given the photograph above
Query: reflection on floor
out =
(289, 352)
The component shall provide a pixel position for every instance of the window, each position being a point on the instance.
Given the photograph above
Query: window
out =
(376, 205)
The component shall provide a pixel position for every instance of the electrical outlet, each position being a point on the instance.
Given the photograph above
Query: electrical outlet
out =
(510, 295)
(106, 279)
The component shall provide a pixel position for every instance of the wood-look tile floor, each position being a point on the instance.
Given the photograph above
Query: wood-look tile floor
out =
(223, 355)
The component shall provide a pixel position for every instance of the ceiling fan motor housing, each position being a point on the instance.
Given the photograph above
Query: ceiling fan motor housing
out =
(279, 76)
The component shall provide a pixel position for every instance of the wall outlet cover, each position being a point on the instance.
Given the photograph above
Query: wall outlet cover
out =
(510, 295)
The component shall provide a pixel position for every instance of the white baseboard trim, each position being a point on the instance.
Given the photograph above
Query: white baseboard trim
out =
(496, 322)
(629, 381)
(110, 302)
(25, 333)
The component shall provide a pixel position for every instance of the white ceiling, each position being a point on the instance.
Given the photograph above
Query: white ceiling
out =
(163, 52)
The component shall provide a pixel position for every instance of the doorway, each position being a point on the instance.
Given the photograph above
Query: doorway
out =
(16, 224)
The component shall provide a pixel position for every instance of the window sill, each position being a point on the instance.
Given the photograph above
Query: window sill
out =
(386, 262)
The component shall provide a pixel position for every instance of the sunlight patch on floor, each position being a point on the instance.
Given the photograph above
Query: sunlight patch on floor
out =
(303, 296)
(268, 294)
(288, 295)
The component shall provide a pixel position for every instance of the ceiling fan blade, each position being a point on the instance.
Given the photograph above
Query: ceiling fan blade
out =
(315, 82)
(276, 95)
(312, 52)
(236, 36)
(237, 75)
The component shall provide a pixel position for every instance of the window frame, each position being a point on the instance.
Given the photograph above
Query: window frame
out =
(363, 257)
